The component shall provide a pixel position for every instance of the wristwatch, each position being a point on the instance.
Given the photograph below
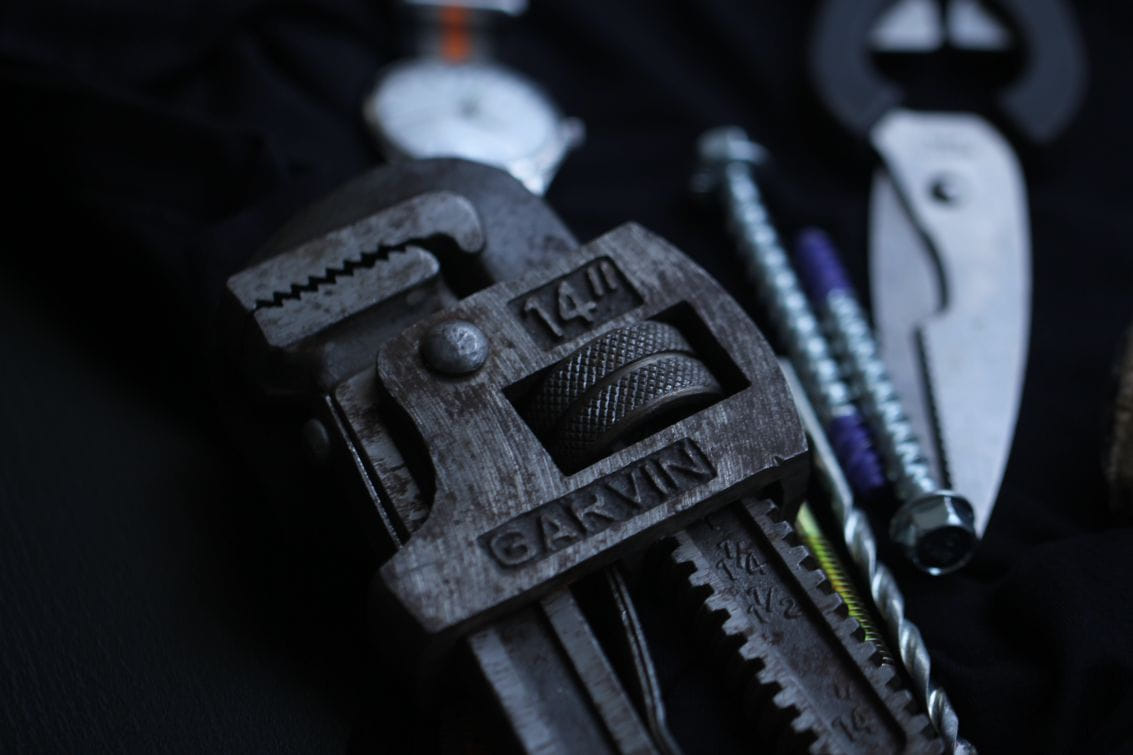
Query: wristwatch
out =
(452, 100)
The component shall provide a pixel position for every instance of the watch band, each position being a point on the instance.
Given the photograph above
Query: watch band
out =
(458, 31)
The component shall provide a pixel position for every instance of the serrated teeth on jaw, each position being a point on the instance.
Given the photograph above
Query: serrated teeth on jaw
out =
(331, 275)
(740, 574)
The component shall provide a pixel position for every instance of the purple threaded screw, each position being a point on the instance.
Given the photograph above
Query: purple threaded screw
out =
(933, 525)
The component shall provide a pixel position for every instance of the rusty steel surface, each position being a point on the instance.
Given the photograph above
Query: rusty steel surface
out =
(489, 518)
(506, 521)
(365, 280)
(521, 231)
(808, 677)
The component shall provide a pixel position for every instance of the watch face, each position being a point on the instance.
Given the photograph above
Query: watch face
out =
(477, 111)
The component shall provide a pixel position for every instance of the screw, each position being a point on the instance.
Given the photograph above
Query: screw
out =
(727, 157)
(934, 526)
(454, 347)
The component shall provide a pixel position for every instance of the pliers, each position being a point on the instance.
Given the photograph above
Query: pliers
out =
(950, 249)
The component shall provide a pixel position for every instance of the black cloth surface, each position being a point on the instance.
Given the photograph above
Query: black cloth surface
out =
(158, 594)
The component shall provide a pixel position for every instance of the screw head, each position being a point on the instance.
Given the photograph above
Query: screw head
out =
(937, 531)
(729, 144)
(719, 147)
(454, 347)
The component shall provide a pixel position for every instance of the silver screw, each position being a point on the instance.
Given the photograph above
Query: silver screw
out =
(934, 526)
(454, 347)
(727, 157)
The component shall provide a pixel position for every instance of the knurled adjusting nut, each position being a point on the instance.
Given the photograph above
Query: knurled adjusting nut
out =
(614, 385)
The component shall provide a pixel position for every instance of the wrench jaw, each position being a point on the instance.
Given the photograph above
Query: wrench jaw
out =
(357, 267)
(311, 316)
(807, 677)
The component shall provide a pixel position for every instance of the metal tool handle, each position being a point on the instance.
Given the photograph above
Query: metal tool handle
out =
(841, 71)
(1040, 104)
(1046, 98)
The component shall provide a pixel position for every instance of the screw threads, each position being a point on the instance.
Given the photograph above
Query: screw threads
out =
(768, 268)
(832, 564)
(777, 286)
(893, 433)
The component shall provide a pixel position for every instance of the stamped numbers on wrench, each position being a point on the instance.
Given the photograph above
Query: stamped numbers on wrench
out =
(575, 303)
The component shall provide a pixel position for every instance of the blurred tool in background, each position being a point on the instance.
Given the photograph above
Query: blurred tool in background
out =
(950, 253)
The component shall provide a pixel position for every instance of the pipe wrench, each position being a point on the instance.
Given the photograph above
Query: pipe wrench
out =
(950, 247)
(538, 435)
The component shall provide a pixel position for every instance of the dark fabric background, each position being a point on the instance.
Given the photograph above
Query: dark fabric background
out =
(157, 595)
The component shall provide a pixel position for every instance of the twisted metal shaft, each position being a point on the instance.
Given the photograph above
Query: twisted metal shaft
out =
(834, 564)
(891, 605)
(861, 545)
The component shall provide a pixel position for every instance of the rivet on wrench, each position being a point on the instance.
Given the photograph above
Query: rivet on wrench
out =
(454, 347)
